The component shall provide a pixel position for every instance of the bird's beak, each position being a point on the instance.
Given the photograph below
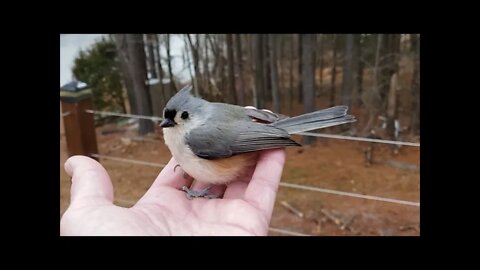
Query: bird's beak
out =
(167, 123)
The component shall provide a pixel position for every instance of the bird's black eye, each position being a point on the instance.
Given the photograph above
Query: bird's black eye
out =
(184, 115)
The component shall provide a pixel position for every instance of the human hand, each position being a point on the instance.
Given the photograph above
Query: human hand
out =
(245, 209)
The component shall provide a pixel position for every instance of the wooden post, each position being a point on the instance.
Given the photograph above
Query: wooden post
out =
(79, 125)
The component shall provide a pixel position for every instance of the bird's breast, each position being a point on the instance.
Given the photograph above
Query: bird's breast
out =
(218, 171)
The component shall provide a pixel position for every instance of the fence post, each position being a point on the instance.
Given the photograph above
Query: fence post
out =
(76, 97)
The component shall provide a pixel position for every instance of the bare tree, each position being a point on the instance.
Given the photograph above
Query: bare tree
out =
(415, 109)
(231, 75)
(206, 68)
(258, 55)
(122, 52)
(280, 56)
(169, 64)
(320, 56)
(187, 61)
(218, 81)
(239, 60)
(360, 66)
(291, 67)
(161, 73)
(250, 43)
(151, 55)
(308, 77)
(371, 98)
(132, 49)
(274, 73)
(392, 107)
(389, 52)
(300, 88)
(267, 84)
(334, 71)
(347, 84)
(194, 48)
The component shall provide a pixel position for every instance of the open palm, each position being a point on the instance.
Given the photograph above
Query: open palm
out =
(245, 209)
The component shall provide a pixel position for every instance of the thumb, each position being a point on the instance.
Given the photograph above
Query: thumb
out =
(90, 182)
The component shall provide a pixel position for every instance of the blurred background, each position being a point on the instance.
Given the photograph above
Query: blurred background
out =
(356, 182)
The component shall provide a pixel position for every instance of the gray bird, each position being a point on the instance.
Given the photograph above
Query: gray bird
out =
(217, 143)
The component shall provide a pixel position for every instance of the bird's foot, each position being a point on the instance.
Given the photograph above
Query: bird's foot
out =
(199, 193)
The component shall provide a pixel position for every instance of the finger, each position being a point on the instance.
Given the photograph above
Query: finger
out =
(235, 190)
(90, 182)
(262, 189)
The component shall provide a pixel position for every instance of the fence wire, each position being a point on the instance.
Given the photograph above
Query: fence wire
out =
(284, 184)
(313, 134)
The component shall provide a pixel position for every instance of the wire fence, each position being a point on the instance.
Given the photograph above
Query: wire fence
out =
(313, 134)
(136, 116)
(283, 184)
(132, 161)
(351, 138)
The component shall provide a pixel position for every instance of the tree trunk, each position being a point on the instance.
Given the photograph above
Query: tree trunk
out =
(169, 63)
(389, 63)
(259, 85)
(220, 72)
(291, 67)
(138, 71)
(188, 63)
(267, 84)
(151, 56)
(360, 66)
(250, 41)
(300, 88)
(231, 75)
(161, 73)
(347, 83)
(239, 60)
(122, 52)
(415, 109)
(372, 99)
(308, 77)
(206, 68)
(392, 107)
(274, 74)
(196, 75)
(334, 71)
(320, 55)
(280, 56)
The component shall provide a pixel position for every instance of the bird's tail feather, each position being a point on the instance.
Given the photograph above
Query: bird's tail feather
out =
(316, 120)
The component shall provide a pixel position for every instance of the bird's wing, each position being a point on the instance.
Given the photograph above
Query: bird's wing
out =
(226, 140)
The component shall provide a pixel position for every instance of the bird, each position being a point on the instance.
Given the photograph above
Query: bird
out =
(217, 143)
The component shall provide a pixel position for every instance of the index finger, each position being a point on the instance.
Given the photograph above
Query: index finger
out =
(262, 189)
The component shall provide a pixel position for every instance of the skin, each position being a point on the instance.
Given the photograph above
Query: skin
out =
(245, 209)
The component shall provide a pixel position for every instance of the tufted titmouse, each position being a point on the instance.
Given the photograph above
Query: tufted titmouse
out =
(217, 143)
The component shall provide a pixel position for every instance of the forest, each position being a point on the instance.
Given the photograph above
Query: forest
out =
(377, 75)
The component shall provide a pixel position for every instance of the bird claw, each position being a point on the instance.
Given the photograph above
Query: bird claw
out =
(174, 168)
(185, 175)
(199, 193)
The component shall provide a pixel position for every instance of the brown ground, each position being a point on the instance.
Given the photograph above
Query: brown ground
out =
(332, 164)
